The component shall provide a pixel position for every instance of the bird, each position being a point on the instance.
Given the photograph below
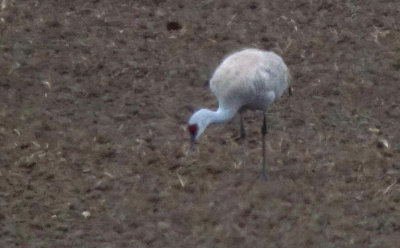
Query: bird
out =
(248, 79)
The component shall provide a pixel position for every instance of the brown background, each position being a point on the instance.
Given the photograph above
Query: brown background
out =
(94, 99)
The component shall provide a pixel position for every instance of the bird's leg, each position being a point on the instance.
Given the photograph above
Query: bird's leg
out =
(243, 137)
(290, 90)
(264, 132)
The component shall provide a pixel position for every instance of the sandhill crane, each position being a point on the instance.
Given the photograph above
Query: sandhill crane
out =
(247, 79)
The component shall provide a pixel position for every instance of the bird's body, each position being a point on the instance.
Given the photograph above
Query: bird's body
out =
(248, 79)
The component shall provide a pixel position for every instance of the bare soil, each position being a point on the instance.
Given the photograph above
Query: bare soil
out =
(94, 100)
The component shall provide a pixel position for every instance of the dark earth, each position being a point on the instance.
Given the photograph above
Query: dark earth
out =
(95, 97)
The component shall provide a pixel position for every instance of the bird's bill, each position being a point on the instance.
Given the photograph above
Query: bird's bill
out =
(192, 141)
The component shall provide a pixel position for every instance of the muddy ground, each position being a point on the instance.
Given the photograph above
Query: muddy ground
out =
(94, 100)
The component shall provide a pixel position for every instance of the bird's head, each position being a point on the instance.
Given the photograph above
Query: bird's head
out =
(197, 123)
(193, 129)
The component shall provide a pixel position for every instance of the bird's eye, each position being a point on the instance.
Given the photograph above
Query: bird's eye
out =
(193, 129)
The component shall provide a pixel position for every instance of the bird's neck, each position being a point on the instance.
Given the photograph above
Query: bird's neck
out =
(221, 115)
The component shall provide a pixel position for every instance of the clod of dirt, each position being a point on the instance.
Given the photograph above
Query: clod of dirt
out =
(120, 117)
(27, 163)
(382, 143)
(103, 185)
(24, 146)
(153, 160)
(213, 170)
(102, 139)
(163, 225)
(173, 26)
(62, 228)
(86, 214)
(53, 24)
(174, 167)
(253, 6)
(394, 111)
(108, 153)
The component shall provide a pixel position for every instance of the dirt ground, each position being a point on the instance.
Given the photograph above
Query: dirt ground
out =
(94, 100)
